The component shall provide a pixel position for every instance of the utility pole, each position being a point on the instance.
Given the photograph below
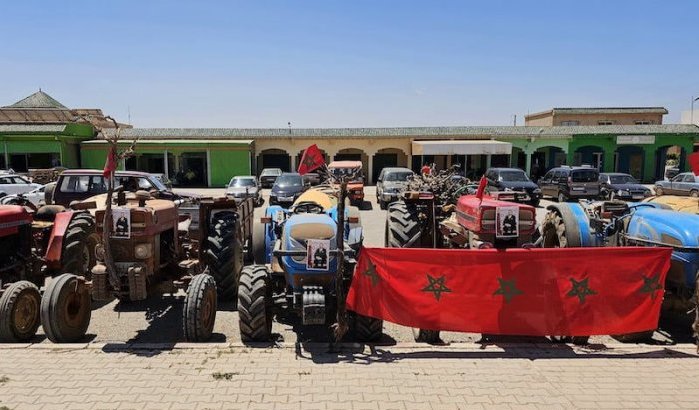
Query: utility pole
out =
(515, 120)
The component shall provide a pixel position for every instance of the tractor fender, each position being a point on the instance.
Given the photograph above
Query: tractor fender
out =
(55, 246)
(576, 222)
(270, 230)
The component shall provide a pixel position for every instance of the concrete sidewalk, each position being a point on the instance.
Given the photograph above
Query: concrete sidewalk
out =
(404, 376)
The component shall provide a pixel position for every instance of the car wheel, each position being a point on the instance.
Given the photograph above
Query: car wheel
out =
(561, 197)
(658, 191)
(694, 193)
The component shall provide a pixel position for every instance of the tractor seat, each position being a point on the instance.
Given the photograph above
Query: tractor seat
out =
(47, 213)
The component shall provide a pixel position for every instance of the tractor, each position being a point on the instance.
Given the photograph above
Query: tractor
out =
(150, 251)
(305, 256)
(618, 223)
(36, 243)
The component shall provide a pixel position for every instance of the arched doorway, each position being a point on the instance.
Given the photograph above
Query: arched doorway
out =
(591, 155)
(273, 158)
(545, 158)
(630, 159)
(669, 156)
(387, 157)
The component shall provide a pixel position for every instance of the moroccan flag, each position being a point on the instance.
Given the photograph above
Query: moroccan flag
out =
(311, 160)
(529, 292)
(481, 187)
(111, 164)
(694, 162)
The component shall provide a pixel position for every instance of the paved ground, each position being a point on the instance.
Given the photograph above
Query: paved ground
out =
(357, 377)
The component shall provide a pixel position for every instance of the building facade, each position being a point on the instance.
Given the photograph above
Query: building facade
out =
(597, 116)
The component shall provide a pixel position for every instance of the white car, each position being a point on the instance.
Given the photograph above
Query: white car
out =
(37, 197)
(15, 184)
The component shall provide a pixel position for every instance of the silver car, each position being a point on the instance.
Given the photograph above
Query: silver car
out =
(684, 184)
(243, 187)
(15, 184)
(389, 184)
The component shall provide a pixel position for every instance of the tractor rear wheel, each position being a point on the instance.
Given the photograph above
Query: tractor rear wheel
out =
(66, 309)
(560, 229)
(199, 313)
(224, 254)
(19, 312)
(403, 230)
(367, 329)
(253, 304)
(79, 245)
(426, 336)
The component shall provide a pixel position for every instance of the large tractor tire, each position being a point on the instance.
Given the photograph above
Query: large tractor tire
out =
(402, 227)
(66, 309)
(403, 230)
(367, 329)
(199, 313)
(19, 312)
(224, 254)
(560, 228)
(79, 245)
(253, 305)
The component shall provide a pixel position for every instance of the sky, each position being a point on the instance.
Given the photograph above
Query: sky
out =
(358, 63)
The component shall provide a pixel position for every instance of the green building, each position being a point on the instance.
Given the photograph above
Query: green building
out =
(42, 146)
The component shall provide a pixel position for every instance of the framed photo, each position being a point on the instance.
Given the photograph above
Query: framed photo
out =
(318, 254)
(121, 223)
(507, 222)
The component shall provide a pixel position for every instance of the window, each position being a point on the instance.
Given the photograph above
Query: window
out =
(689, 178)
(584, 176)
(20, 180)
(605, 122)
(568, 123)
(642, 122)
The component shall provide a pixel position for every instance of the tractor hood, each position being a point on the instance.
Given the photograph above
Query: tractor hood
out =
(665, 226)
(478, 215)
(12, 217)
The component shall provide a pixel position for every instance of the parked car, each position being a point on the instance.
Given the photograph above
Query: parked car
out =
(389, 184)
(80, 184)
(685, 183)
(164, 179)
(287, 187)
(513, 179)
(36, 197)
(565, 183)
(11, 184)
(268, 176)
(245, 186)
(621, 186)
(311, 178)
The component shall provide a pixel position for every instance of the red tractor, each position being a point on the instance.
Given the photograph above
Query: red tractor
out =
(421, 219)
(36, 244)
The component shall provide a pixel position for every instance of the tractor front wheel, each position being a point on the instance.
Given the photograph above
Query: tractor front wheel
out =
(19, 312)
(224, 254)
(66, 309)
(367, 329)
(199, 313)
(253, 304)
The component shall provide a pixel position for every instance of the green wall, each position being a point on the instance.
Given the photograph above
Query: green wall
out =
(226, 164)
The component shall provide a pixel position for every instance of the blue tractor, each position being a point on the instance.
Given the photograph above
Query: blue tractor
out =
(304, 259)
(617, 223)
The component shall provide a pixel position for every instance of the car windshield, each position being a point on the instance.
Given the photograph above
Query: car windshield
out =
(398, 176)
(271, 171)
(513, 176)
(242, 182)
(622, 179)
(584, 175)
(156, 182)
(289, 180)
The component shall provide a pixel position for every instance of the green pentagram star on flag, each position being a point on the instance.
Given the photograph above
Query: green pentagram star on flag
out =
(436, 286)
(580, 289)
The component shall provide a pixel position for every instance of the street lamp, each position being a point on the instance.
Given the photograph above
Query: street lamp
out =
(691, 111)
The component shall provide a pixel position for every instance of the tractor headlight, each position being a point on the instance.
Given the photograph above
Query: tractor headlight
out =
(143, 251)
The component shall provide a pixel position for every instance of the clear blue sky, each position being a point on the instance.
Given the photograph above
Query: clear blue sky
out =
(349, 63)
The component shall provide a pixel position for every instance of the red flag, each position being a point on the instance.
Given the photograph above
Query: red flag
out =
(111, 164)
(694, 162)
(533, 292)
(311, 160)
(481, 187)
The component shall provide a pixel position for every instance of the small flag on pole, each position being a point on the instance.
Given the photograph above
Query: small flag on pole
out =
(311, 160)
(111, 164)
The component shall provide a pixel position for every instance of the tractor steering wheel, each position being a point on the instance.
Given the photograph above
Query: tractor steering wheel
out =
(308, 207)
